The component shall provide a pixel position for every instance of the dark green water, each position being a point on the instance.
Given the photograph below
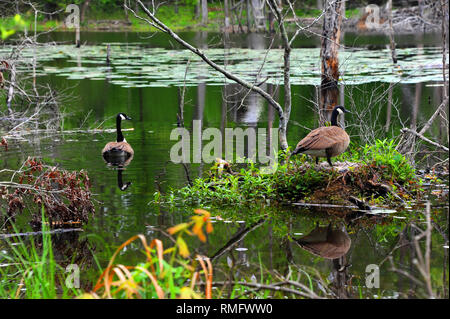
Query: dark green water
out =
(122, 214)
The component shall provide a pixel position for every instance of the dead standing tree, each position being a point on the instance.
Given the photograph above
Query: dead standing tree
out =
(329, 91)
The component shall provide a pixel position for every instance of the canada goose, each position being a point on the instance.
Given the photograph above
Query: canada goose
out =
(325, 141)
(326, 242)
(119, 150)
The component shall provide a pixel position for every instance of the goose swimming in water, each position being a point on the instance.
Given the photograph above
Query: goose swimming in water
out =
(120, 149)
(325, 141)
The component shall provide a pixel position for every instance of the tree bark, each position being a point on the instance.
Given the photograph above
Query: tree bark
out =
(249, 19)
(226, 11)
(391, 33)
(11, 89)
(83, 10)
(204, 12)
(331, 33)
(258, 14)
(287, 61)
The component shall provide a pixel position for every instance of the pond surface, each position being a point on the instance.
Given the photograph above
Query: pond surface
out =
(145, 80)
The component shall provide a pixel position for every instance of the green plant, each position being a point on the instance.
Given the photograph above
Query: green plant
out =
(31, 272)
(383, 155)
(9, 26)
(157, 277)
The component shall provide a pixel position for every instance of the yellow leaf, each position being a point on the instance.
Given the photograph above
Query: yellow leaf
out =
(185, 293)
(183, 248)
(177, 228)
(88, 296)
(202, 212)
(197, 230)
(188, 293)
(169, 250)
(209, 227)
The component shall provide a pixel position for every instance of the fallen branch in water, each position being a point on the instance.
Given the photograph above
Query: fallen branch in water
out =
(237, 238)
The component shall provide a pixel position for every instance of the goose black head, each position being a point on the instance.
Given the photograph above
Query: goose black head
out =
(338, 110)
(123, 116)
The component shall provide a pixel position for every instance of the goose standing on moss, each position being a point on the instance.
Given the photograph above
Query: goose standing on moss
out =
(325, 141)
(120, 148)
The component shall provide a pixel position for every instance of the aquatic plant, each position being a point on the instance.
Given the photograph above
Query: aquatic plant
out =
(159, 276)
(29, 269)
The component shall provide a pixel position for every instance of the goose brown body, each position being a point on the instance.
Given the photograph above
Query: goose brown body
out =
(119, 147)
(325, 141)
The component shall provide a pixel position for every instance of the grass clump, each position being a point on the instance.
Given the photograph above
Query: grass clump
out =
(30, 271)
(391, 164)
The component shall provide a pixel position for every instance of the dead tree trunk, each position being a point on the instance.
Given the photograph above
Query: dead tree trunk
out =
(226, 12)
(329, 91)
(276, 8)
(83, 10)
(249, 17)
(204, 12)
(320, 4)
(258, 14)
(391, 33)
(11, 89)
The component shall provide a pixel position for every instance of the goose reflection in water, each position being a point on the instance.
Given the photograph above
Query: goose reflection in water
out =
(119, 164)
(120, 183)
(326, 242)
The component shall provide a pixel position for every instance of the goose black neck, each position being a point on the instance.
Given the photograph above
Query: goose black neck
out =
(119, 179)
(120, 183)
(334, 116)
(119, 130)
